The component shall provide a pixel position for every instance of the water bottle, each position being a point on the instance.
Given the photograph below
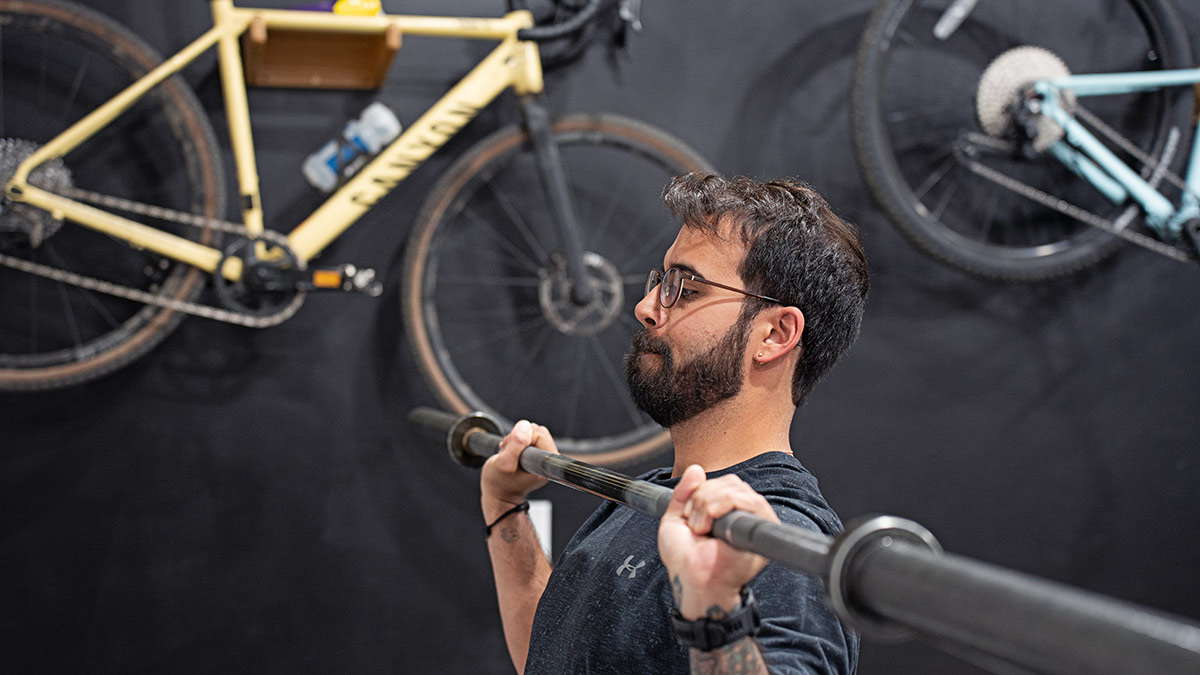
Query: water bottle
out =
(341, 157)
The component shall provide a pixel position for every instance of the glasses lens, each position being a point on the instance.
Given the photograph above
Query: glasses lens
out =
(652, 281)
(672, 284)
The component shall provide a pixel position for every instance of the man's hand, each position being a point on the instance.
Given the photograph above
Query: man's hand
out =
(706, 573)
(503, 483)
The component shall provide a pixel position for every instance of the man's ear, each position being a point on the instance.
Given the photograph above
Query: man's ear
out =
(785, 327)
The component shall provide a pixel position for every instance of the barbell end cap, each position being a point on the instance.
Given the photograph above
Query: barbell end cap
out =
(456, 438)
(858, 536)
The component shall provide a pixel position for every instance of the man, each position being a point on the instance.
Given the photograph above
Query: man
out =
(763, 290)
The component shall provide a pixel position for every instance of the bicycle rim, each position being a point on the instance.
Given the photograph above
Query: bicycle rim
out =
(920, 142)
(58, 62)
(486, 304)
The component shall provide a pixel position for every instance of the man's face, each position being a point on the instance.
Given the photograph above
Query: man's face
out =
(691, 357)
(671, 393)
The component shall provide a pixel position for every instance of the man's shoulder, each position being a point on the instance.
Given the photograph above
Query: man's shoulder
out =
(791, 489)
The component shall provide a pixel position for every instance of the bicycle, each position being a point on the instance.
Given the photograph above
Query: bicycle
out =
(519, 276)
(993, 164)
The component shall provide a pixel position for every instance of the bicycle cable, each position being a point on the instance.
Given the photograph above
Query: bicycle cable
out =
(146, 297)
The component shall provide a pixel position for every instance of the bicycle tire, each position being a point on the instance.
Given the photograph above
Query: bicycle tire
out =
(507, 346)
(910, 138)
(59, 62)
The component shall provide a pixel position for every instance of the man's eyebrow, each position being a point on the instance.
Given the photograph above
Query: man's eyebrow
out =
(687, 269)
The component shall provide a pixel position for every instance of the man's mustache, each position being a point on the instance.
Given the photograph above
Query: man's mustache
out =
(643, 343)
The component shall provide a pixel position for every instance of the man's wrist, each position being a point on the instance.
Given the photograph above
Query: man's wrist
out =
(718, 629)
(706, 603)
(493, 507)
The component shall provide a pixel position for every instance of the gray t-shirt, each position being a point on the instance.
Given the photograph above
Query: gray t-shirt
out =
(607, 606)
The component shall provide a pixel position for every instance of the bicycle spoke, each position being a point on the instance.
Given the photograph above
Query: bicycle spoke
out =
(572, 410)
(488, 255)
(935, 177)
(489, 281)
(616, 380)
(610, 209)
(518, 253)
(69, 315)
(532, 356)
(497, 335)
(79, 78)
(89, 296)
(990, 219)
(474, 315)
(945, 201)
(921, 115)
(652, 251)
(515, 218)
(34, 308)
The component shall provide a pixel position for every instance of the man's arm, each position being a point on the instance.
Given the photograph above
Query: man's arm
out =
(707, 574)
(518, 564)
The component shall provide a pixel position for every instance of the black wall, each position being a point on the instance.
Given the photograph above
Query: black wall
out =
(245, 501)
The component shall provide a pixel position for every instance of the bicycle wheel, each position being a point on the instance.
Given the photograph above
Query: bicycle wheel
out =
(59, 61)
(486, 302)
(969, 198)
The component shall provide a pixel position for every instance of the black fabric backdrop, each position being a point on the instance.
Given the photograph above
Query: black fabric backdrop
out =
(246, 501)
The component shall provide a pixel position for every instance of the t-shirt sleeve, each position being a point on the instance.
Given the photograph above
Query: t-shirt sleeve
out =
(799, 633)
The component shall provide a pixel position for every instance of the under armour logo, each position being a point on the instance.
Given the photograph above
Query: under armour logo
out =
(631, 568)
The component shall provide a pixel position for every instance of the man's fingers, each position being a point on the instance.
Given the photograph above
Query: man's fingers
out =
(521, 435)
(720, 496)
(543, 439)
(692, 477)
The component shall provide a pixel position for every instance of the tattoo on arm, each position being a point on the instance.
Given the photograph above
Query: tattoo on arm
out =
(509, 534)
(717, 612)
(741, 657)
(677, 590)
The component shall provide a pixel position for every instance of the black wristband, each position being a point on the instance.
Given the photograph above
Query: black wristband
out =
(523, 506)
(708, 634)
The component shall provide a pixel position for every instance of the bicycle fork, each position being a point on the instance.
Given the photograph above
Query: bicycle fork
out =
(562, 205)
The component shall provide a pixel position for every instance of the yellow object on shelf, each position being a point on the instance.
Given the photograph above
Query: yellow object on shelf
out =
(358, 7)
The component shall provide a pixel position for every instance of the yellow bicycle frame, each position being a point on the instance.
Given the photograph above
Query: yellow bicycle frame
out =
(513, 63)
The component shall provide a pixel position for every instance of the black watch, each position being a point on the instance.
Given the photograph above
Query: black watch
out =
(708, 634)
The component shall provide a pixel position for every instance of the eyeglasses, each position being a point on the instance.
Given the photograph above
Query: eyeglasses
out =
(670, 286)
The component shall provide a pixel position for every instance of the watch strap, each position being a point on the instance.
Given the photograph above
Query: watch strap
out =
(708, 634)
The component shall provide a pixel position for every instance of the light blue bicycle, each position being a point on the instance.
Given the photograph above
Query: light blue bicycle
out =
(1025, 139)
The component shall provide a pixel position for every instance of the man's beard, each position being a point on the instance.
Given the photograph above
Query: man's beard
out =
(670, 394)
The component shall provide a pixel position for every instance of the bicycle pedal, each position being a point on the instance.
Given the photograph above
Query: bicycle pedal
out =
(343, 278)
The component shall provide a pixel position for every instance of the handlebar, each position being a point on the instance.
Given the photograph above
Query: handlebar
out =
(572, 25)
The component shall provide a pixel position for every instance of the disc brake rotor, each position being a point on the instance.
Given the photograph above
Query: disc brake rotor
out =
(554, 296)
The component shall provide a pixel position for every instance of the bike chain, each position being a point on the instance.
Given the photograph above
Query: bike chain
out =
(1158, 168)
(1070, 210)
(146, 297)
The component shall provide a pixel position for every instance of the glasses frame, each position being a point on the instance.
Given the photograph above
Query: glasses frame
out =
(657, 277)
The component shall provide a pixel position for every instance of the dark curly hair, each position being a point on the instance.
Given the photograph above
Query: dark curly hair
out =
(797, 250)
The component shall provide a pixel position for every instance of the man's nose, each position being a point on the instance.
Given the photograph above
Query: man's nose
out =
(648, 310)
